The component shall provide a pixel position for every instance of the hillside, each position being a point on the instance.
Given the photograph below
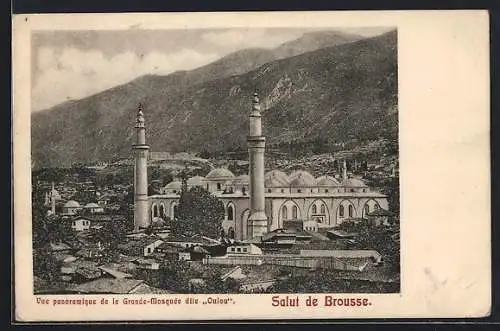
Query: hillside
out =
(245, 60)
(337, 93)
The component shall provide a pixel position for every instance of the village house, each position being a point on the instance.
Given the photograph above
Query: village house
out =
(140, 247)
(188, 241)
(380, 217)
(247, 249)
(94, 221)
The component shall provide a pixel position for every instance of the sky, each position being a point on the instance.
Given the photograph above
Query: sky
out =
(70, 65)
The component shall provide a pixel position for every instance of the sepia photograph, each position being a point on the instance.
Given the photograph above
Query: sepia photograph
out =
(215, 161)
(251, 166)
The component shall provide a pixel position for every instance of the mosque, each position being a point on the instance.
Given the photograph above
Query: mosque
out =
(261, 201)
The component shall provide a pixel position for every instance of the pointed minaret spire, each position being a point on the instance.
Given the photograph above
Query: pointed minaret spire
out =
(344, 170)
(140, 116)
(53, 200)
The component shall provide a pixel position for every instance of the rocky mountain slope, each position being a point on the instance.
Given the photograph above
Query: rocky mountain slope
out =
(336, 93)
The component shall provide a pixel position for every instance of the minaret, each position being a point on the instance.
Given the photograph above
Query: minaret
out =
(53, 200)
(256, 146)
(141, 215)
(344, 171)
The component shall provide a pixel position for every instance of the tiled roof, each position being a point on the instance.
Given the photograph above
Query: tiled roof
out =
(101, 217)
(380, 212)
(108, 285)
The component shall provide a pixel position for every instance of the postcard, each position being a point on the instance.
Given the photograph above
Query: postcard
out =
(251, 165)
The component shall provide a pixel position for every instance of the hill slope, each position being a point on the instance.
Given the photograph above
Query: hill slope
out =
(336, 93)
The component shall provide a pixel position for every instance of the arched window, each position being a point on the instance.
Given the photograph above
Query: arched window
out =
(162, 211)
(218, 187)
(155, 211)
(314, 209)
(174, 210)
(243, 191)
(284, 211)
(230, 213)
(351, 210)
(294, 212)
(323, 209)
(326, 191)
(341, 211)
(367, 208)
(268, 190)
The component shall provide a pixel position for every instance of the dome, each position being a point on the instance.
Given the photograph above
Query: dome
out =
(277, 174)
(71, 204)
(175, 185)
(354, 182)
(303, 174)
(276, 178)
(91, 205)
(302, 182)
(241, 180)
(196, 181)
(220, 173)
(327, 181)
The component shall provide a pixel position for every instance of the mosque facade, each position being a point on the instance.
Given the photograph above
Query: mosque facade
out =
(263, 201)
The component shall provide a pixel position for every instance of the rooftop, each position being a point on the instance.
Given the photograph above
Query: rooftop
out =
(107, 285)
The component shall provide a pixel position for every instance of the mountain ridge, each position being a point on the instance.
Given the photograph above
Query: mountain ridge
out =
(311, 95)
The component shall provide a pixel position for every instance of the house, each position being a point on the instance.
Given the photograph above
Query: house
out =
(196, 283)
(340, 234)
(94, 221)
(60, 247)
(310, 225)
(188, 241)
(91, 251)
(235, 273)
(80, 271)
(196, 253)
(141, 247)
(80, 224)
(170, 252)
(110, 270)
(104, 200)
(380, 216)
(280, 237)
(247, 249)
(150, 264)
(92, 208)
(107, 286)
(257, 286)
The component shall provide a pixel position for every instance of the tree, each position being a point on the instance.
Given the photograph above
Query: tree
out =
(199, 212)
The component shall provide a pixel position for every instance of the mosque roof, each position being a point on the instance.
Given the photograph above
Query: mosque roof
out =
(196, 181)
(91, 205)
(220, 173)
(302, 174)
(354, 182)
(277, 174)
(327, 181)
(175, 185)
(71, 204)
(276, 178)
(302, 182)
(242, 180)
